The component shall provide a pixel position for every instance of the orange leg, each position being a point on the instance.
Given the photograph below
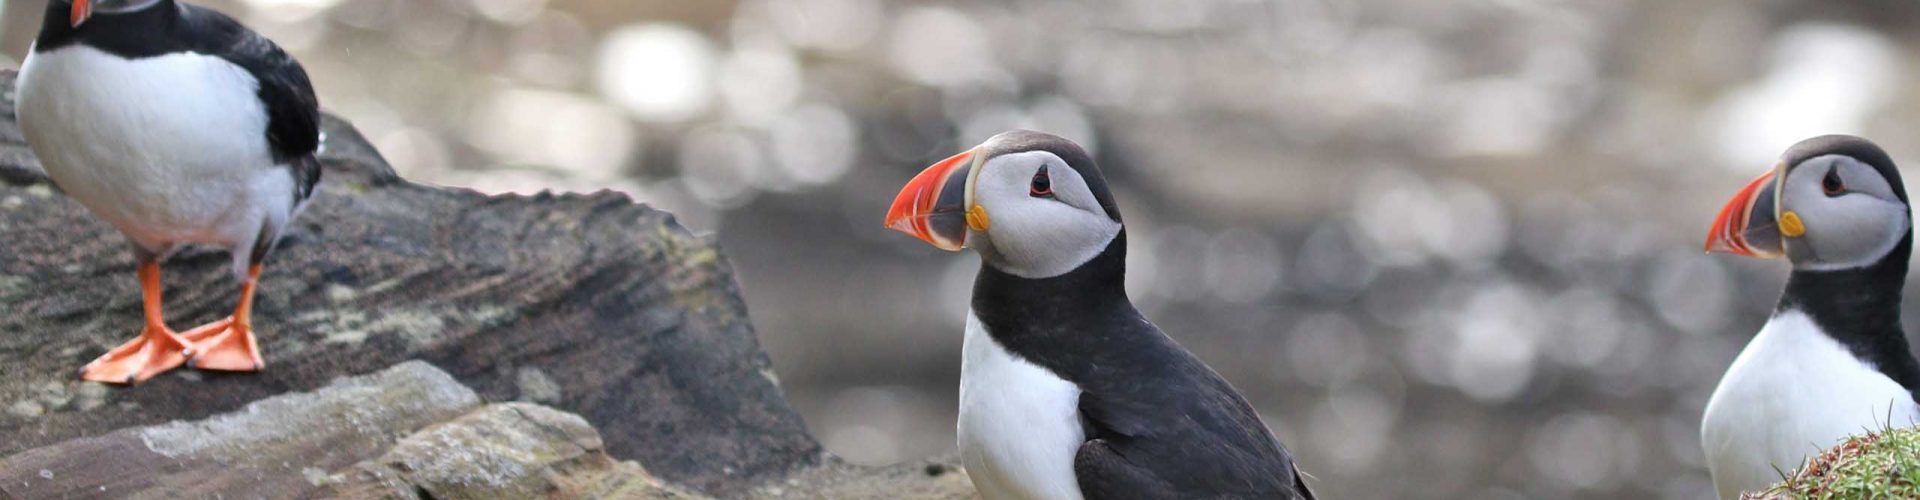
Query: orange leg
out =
(228, 344)
(155, 351)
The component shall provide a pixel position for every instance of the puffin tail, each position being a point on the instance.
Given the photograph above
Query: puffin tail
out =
(1300, 485)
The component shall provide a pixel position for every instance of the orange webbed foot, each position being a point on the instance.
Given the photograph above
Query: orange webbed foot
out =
(225, 345)
(154, 352)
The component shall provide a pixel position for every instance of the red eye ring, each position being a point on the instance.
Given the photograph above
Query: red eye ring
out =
(1832, 184)
(1042, 186)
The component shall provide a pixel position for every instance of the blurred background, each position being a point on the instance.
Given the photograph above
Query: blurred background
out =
(1449, 248)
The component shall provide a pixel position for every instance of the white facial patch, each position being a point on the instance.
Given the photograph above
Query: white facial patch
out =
(1039, 237)
(1853, 229)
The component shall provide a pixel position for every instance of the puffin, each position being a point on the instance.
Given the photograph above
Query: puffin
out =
(1833, 360)
(1066, 390)
(178, 126)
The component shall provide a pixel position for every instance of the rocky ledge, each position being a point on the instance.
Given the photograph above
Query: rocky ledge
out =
(410, 431)
(623, 332)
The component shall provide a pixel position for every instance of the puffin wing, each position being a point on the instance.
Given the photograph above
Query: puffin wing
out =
(293, 110)
(1202, 446)
(1104, 473)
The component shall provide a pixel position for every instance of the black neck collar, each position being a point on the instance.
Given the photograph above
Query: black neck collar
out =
(1860, 308)
(1074, 324)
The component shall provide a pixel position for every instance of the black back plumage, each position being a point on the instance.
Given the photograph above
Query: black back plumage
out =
(170, 27)
(1859, 307)
(1159, 423)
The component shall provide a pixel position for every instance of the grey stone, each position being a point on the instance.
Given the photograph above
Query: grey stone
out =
(248, 453)
(537, 387)
(408, 432)
(510, 450)
(933, 479)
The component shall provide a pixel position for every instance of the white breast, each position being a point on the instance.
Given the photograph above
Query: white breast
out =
(1019, 424)
(171, 149)
(1792, 393)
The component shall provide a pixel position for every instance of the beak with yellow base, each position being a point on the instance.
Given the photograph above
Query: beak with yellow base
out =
(1752, 223)
(938, 207)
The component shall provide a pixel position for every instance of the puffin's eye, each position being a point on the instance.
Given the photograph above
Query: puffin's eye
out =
(1831, 183)
(1042, 184)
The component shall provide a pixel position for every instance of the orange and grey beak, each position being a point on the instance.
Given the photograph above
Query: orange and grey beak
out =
(82, 9)
(937, 205)
(1751, 223)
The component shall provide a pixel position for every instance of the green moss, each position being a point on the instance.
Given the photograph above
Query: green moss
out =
(1883, 464)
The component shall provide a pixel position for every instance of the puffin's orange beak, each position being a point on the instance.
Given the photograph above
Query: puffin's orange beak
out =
(936, 204)
(1749, 224)
(82, 9)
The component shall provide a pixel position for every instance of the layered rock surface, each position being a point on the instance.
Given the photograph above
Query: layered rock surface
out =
(411, 432)
(591, 305)
(408, 431)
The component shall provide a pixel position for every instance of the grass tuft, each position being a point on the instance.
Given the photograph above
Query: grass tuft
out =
(1883, 464)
